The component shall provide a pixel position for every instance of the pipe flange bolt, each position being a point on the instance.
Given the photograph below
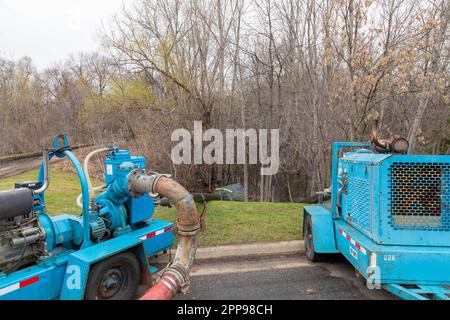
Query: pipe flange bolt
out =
(132, 180)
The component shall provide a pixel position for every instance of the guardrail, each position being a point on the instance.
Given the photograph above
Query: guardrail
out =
(36, 154)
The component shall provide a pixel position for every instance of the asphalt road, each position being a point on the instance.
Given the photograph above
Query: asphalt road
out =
(278, 278)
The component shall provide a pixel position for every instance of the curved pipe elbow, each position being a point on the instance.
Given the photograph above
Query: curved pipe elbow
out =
(175, 278)
(380, 143)
(86, 169)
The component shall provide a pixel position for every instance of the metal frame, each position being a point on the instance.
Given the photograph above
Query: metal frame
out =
(83, 183)
(408, 269)
(419, 292)
(64, 274)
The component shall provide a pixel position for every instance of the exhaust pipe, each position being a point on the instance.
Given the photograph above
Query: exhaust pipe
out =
(380, 143)
(397, 145)
(175, 278)
(46, 183)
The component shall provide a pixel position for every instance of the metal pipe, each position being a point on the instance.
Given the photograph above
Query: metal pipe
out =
(85, 196)
(30, 239)
(80, 196)
(46, 183)
(86, 170)
(175, 278)
(381, 143)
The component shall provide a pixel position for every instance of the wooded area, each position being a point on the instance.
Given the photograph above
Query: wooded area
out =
(318, 70)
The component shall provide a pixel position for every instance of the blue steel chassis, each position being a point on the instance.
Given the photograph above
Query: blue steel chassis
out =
(409, 272)
(64, 274)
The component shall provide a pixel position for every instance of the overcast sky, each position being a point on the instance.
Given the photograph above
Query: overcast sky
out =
(49, 30)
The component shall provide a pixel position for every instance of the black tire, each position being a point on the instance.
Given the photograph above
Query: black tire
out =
(116, 278)
(310, 251)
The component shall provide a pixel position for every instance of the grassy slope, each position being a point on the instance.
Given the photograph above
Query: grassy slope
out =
(238, 222)
(226, 222)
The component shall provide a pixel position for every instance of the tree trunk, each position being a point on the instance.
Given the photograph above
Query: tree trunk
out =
(412, 136)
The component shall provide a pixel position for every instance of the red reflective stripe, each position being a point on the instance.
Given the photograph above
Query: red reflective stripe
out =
(155, 233)
(356, 244)
(151, 235)
(28, 282)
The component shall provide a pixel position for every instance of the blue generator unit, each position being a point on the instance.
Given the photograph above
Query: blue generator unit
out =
(101, 254)
(389, 215)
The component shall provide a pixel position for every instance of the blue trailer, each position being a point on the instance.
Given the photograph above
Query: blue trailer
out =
(389, 216)
(102, 254)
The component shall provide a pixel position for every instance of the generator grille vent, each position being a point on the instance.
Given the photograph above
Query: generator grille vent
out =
(359, 202)
(420, 196)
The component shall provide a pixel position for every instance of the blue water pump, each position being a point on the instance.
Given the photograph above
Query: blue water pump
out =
(100, 254)
(389, 215)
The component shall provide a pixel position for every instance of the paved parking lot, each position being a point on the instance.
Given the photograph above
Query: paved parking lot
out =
(290, 278)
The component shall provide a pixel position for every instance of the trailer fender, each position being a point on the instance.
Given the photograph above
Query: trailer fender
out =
(146, 278)
(322, 228)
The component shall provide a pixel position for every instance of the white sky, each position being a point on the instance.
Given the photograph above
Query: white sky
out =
(49, 30)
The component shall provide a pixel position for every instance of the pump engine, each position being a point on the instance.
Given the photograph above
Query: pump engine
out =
(21, 237)
(101, 254)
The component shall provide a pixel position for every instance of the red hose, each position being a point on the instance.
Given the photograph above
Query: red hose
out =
(164, 289)
(158, 292)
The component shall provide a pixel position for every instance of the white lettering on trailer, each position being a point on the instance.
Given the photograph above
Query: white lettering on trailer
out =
(73, 277)
(389, 258)
(354, 253)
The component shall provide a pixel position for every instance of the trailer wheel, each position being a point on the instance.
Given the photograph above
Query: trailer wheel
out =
(311, 254)
(116, 278)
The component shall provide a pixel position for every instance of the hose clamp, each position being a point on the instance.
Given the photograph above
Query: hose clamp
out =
(190, 230)
(185, 281)
(171, 283)
(155, 177)
(173, 278)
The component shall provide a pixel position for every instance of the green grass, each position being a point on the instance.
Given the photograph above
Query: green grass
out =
(239, 222)
(61, 195)
(226, 222)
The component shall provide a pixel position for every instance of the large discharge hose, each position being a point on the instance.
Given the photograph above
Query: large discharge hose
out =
(175, 278)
